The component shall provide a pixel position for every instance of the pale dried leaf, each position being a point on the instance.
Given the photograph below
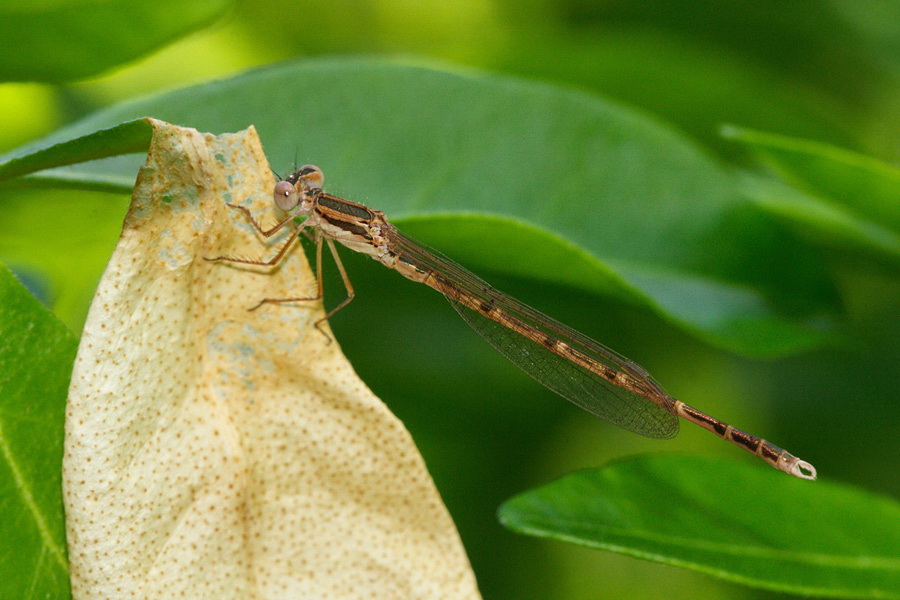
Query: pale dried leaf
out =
(213, 452)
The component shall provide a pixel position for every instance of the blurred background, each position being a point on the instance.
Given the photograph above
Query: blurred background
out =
(823, 69)
(826, 70)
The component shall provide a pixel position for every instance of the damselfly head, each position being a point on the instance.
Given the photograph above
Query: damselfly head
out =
(290, 192)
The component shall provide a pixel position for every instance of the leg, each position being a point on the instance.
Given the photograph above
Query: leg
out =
(349, 286)
(266, 263)
(319, 283)
(267, 233)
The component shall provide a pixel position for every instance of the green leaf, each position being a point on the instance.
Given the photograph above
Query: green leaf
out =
(859, 184)
(64, 40)
(130, 136)
(691, 82)
(728, 519)
(841, 199)
(35, 363)
(630, 201)
(825, 223)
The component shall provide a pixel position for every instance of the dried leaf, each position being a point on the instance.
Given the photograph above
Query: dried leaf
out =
(214, 452)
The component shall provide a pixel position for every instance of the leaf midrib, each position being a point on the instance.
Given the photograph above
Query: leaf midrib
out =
(31, 504)
(862, 562)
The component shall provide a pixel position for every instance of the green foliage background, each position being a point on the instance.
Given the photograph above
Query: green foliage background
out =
(769, 298)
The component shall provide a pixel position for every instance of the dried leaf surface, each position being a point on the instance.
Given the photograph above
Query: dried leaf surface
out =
(213, 452)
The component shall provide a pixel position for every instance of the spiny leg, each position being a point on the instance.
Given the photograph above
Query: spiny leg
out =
(267, 233)
(319, 284)
(347, 285)
(263, 263)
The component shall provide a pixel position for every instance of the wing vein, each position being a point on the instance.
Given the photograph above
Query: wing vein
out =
(567, 362)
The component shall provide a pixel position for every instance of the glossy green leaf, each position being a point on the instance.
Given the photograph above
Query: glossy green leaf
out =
(860, 185)
(64, 40)
(835, 198)
(123, 138)
(35, 363)
(694, 84)
(726, 518)
(812, 71)
(826, 223)
(636, 205)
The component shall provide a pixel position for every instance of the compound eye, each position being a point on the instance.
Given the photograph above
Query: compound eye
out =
(311, 177)
(286, 195)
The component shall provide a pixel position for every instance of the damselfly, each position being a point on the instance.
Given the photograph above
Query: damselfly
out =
(583, 371)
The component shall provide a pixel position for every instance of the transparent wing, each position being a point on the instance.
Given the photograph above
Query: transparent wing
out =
(525, 337)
